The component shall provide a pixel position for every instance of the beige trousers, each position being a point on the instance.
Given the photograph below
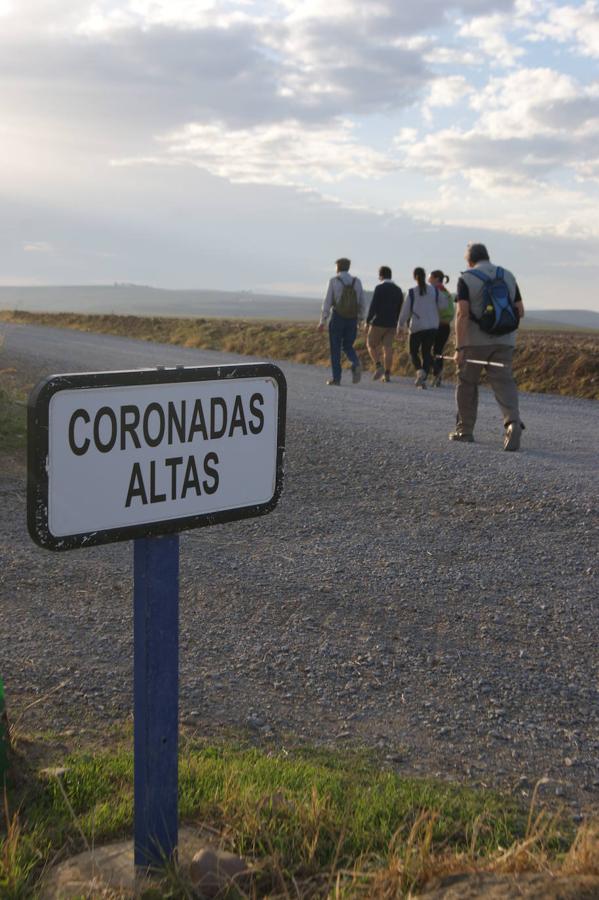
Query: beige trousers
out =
(381, 339)
(501, 381)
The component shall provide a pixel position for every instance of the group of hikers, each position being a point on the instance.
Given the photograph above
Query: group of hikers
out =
(489, 308)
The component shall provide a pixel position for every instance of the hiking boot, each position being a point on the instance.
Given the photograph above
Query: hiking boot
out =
(513, 432)
(333, 381)
(356, 373)
(461, 436)
(420, 378)
(387, 376)
(378, 372)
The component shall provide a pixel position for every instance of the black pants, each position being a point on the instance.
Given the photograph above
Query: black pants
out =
(422, 341)
(441, 336)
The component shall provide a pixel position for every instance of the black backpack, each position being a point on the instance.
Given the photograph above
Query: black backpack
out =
(499, 315)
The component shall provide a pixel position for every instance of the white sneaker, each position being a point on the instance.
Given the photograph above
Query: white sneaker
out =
(421, 377)
(513, 433)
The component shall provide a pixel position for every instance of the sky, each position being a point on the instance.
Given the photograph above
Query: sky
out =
(246, 144)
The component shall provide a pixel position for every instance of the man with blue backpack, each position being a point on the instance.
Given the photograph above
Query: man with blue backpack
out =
(489, 309)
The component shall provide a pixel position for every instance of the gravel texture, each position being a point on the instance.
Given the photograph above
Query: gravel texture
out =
(437, 602)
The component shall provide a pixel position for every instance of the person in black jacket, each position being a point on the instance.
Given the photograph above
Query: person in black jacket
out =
(381, 322)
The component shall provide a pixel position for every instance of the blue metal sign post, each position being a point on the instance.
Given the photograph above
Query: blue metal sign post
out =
(142, 455)
(156, 698)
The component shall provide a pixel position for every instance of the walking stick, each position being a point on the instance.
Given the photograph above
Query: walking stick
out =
(477, 362)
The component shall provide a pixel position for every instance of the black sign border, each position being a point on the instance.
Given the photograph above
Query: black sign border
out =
(37, 449)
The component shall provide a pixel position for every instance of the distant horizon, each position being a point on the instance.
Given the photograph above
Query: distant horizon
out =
(230, 294)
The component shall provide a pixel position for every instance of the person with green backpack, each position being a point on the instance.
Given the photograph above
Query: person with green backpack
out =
(344, 306)
(438, 279)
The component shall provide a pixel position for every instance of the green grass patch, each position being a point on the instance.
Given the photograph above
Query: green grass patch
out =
(301, 816)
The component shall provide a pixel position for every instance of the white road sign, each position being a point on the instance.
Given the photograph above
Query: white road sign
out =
(154, 451)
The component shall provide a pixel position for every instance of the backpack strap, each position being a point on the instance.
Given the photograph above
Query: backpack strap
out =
(334, 303)
(482, 276)
(412, 301)
(437, 296)
(338, 278)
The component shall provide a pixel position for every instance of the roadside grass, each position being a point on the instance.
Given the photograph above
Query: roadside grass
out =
(13, 418)
(559, 362)
(312, 823)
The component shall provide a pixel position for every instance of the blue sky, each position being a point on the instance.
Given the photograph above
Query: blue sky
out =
(246, 145)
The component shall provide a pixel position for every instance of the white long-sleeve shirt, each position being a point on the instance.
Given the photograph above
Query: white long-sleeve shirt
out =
(334, 291)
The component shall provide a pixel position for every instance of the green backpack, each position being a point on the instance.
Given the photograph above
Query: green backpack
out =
(446, 315)
(347, 304)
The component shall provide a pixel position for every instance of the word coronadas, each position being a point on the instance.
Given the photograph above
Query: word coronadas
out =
(162, 425)
(180, 421)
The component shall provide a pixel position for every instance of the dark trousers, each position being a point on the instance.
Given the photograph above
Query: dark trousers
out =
(441, 337)
(342, 334)
(422, 341)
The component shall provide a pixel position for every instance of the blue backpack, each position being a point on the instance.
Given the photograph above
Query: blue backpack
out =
(499, 315)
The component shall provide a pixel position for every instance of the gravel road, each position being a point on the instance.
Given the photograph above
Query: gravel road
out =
(437, 602)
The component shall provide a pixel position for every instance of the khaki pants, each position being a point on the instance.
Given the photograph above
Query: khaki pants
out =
(501, 381)
(381, 339)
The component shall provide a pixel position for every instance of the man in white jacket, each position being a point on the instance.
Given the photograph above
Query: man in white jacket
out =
(344, 306)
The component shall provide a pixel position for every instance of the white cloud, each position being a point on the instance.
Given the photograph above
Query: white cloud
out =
(156, 64)
(451, 56)
(527, 123)
(242, 61)
(577, 25)
(489, 32)
(405, 135)
(524, 103)
(446, 92)
(387, 16)
(286, 153)
(109, 16)
(38, 247)
(534, 138)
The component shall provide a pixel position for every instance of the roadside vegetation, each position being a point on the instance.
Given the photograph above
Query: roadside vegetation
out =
(310, 823)
(557, 362)
(13, 417)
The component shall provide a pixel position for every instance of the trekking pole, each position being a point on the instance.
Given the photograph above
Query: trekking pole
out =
(477, 362)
